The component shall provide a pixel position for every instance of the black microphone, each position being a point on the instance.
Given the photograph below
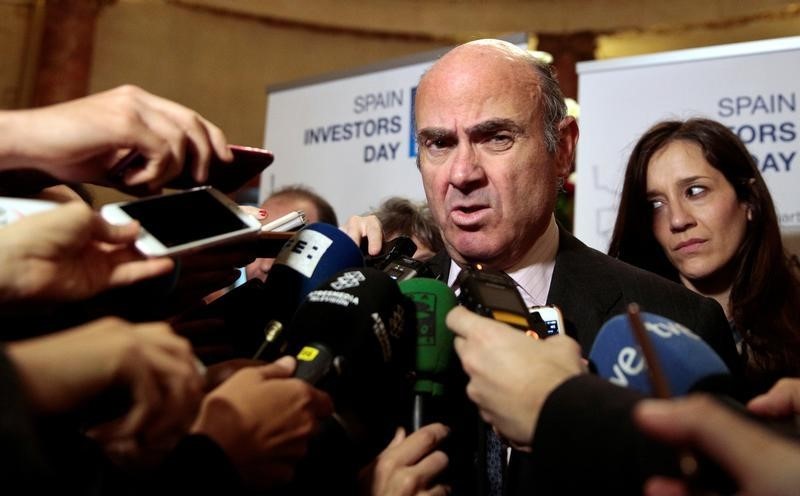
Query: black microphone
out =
(354, 338)
(256, 314)
(396, 259)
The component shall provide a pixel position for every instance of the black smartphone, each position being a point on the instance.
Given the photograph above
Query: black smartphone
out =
(494, 294)
(247, 163)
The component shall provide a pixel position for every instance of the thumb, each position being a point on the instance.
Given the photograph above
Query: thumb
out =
(125, 234)
(283, 367)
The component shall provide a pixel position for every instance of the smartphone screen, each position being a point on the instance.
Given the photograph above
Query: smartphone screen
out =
(185, 217)
(551, 316)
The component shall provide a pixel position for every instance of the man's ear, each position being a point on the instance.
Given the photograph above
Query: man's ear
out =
(567, 142)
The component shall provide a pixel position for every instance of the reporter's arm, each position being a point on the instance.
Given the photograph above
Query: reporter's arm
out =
(510, 373)
(81, 140)
(70, 253)
(761, 462)
(263, 419)
(59, 372)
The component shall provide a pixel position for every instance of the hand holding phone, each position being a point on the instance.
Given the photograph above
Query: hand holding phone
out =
(247, 163)
(182, 222)
(494, 294)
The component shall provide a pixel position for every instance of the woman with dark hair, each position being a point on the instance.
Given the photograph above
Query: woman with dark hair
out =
(696, 210)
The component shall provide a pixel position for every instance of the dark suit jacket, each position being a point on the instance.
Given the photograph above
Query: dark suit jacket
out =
(590, 288)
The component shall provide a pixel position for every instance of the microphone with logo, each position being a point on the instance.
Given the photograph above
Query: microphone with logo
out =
(353, 337)
(256, 314)
(689, 363)
(433, 299)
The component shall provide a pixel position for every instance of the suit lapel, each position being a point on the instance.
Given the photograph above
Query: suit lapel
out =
(583, 289)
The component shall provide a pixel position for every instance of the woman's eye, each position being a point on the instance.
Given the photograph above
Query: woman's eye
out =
(695, 190)
(656, 204)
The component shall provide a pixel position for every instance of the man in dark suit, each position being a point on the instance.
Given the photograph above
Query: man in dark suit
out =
(495, 144)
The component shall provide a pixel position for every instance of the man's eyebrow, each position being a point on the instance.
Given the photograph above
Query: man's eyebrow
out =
(494, 125)
(433, 133)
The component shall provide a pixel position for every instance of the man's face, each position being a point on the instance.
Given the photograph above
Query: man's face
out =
(489, 180)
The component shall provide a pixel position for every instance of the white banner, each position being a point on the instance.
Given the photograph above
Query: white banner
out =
(350, 138)
(751, 87)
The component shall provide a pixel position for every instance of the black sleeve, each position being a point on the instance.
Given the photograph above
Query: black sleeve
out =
(585, 442)
(197, 466)
(23, 462)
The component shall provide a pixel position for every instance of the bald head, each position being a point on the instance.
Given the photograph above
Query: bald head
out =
(514, 68)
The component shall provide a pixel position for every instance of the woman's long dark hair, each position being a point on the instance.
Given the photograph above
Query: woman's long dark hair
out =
(765, 296)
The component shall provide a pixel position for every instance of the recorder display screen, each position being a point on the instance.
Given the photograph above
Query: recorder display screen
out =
(184, 217)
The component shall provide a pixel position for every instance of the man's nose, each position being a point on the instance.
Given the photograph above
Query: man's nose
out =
(466, 167)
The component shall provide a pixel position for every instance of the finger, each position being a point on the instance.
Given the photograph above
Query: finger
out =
(219, 141)
(181, 395)
(462, 322)
(438, 490)
(431, 466)
(203, 135)
(663, 486)
(168, 162)
(368, 227)
(374, 234)
(699, 421)
(420, 443)
(399, 435)
(322, 404)
(124, 234)
(127, 267)
(782, 400)
(146, 395)
(258, 213)
(287, 362)
(275, 370)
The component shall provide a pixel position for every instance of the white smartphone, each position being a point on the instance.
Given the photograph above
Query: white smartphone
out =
(289, 222)
(184, 221)
(551, 315)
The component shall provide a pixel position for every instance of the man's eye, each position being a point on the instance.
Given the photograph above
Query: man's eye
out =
(436, 144)
(500, 141)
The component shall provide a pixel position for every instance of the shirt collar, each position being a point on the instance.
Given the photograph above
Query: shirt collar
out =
(535, 271)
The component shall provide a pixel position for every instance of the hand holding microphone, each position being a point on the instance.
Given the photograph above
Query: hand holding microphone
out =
(353, 337)
(760, 461)
(511, 374)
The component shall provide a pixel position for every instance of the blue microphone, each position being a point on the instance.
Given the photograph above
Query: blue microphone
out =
(688, 362)
(311, 257)
(306, 261)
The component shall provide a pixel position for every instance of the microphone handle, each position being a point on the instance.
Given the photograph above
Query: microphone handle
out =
(418, 414)
(314, 361)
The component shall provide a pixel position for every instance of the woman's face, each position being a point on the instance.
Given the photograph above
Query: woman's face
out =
(697, 218)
